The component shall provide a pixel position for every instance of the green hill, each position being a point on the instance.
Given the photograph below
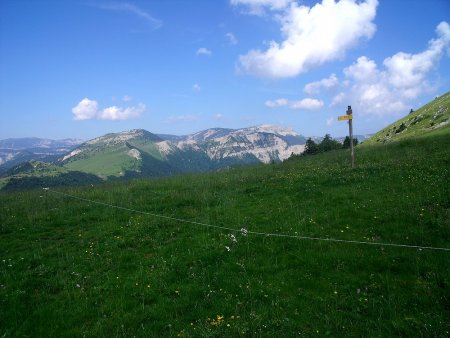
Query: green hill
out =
(36, 174)
(245, 252)
(118, 155)
(432, 118)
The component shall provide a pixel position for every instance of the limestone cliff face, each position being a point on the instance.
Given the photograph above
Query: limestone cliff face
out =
(265, 143)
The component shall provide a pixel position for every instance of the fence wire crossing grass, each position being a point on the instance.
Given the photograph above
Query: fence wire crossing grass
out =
(245, 231)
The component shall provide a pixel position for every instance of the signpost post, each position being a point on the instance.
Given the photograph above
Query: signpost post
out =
(349, 118)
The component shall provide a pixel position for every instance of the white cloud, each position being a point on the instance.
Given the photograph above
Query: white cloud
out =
(86, 109)
(389, 88)
(307, 104)
(407, 70)
(231, 38)
(127, 98)
(257, 7)
(304, 104)
(118, 113)
(370, 91)
(312, 36)
(314, 87)
(363, 70)
(330, 121)
(196, 87)
(203, 51)
(337, 99)
(276, 103)
(218, 116)
(404, 76)
(133, 9)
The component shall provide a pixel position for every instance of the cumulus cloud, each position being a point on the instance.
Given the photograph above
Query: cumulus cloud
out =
(87, 109)
(312, 36)
(304, 104)
(231, 38)
(364, 69)
(276, 103)
(118, 113)
(391, 87)
(371, 91)
(307, 104)
(314, 87)
(203, 51)
(407, 70)
(337, 99)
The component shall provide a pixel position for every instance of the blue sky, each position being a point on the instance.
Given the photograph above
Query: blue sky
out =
(84, 68)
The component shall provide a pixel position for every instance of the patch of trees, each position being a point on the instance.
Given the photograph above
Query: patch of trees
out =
(327, 144)
(346, 144)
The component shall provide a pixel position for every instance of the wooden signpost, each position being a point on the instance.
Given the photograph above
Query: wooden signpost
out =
(349, 118)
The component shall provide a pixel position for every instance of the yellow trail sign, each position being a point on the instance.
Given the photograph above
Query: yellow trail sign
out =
(345, 117)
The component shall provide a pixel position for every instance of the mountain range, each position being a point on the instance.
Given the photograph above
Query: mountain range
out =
(14, 151)
(140, 153)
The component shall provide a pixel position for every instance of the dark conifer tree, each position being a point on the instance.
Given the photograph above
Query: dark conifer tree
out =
(311, 147)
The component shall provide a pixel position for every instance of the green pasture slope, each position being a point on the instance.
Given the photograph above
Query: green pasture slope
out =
(431, 119)
(73, 268)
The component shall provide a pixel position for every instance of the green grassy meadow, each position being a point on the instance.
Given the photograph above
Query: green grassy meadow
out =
(106, 163)
(432, 118)
(72, 268)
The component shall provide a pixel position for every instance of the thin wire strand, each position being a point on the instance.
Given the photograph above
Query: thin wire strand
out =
(143, 212)
(246, 231)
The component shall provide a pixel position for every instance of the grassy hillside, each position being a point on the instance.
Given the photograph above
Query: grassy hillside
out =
(76, 268)
(116, 155)
(111, 162)
(429, 119)
(36, 174)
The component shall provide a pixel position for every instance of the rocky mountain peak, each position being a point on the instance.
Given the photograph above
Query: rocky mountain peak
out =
(125, 136)
(271, 129)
